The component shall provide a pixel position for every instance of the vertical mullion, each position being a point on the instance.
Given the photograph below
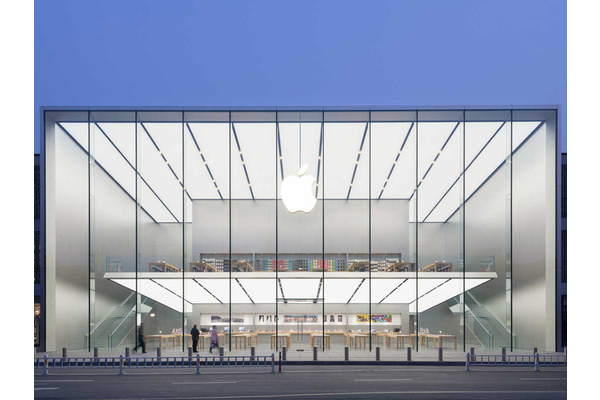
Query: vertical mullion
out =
(89, 172)
(510, 150)
(323, 221)
(276, 232)
(417, 231)
(137, 236)
(464, 239)
(230, 265)
(183, 232)
(370, 256)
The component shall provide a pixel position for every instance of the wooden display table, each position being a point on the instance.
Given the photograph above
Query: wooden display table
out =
(438, 340)
(400, 339)
(162, 267)
(356, 338)
(401, 266)
(317, 335)
(201, 267)
(438, 266)
(287, 336)
(244, 339)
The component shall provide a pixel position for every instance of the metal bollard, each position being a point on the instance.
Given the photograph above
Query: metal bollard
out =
(64, 352)
(346, 353)
(221, 351)
(440, 353)
(284, 353)
(315, 353)
(189, 352)
(468, 363)
(408, 353)
(158, 350)
(377, 353)
(537, 362)
(253, 351)
(120, 364)
(197, 364)
(96, 353)
(472, 352)
(45, 364)
(565, 350)
(503, 354)
(535, 350)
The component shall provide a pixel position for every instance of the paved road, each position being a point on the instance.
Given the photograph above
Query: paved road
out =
(309, 382)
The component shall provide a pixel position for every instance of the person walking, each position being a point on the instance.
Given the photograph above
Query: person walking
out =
(195, 336)
(141, 342)
(214, 338)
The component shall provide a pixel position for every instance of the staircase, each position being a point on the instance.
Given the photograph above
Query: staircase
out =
(120, 333)
(488, 330)
(121, 315)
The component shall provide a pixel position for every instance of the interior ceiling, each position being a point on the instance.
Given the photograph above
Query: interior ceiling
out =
(395, 290)
(337, 155)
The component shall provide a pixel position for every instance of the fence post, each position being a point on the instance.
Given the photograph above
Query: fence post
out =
(377, 353)
(315, 353)
(346, 353)
(468, 363)
(121, 364)
(197, 364)
(272, 363)
(279, 361)
(408, 353)
(504, 354)
(440, 354)
(45, 364)
(537, 362)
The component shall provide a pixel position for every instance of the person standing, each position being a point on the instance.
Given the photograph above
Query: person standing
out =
(195, 336)
(141, 342)
(214, 338)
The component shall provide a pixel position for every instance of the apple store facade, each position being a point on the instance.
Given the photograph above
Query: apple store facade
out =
(300, 228)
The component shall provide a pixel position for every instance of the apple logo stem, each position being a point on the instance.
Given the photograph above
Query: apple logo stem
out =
(297, 193)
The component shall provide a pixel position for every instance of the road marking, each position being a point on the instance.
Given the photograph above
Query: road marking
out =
(201, 383)
(66, 380)
(352, 394)
(543, 379)
(45, 388)
(322, 370)
(382, 380)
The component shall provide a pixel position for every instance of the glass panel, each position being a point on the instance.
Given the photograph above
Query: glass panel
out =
(393, 280)
(300, 265)
(346, 195)
(113, 239)
(534, 221)
(487, 229)
(253, 231)
(67, 231)
(440, 229)
(207, 284)
(161, 196)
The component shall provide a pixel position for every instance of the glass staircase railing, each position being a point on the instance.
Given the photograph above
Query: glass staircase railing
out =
(122, 331)
(100, 336)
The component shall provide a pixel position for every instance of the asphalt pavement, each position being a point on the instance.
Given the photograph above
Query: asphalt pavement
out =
(307, 382)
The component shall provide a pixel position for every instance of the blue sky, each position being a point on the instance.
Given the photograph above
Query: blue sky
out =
(300, 53)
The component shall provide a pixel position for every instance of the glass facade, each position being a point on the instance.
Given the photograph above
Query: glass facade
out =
(301, 228)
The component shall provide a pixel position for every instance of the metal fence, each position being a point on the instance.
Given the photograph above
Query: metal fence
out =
(121, 363)
(515, 360)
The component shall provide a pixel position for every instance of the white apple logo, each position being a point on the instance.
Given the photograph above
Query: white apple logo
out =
(297, 193)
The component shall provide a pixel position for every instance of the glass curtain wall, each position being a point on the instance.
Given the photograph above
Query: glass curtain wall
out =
(301, 229)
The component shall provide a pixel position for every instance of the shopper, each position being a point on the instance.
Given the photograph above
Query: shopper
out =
(195, 336)
(214, 338)
(141, 343)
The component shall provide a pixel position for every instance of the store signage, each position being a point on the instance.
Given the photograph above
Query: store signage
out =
(297, 192)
